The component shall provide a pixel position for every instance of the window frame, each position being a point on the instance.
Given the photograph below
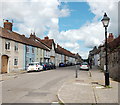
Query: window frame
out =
(7, 45)
(16, 61)
(16, 46)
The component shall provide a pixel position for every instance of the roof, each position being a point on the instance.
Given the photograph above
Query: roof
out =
(4, 33)
(115, 43)
(63, 51)
(48, 42)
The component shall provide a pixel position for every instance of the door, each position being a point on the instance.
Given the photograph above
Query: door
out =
(4, 64)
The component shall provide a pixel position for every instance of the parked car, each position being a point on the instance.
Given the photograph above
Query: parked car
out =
(34, 66)
(68, 64)
(84, 66)
(52, 65)
(46, 66)
(62, 64)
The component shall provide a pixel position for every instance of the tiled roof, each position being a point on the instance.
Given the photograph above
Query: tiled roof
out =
(63, 51)
(4, 33)
(48, 42)
(115, 43)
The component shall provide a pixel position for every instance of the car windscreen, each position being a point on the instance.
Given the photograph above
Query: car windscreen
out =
(85, 63)
(31, 64)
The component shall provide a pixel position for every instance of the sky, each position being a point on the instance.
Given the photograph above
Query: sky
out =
(75, 25)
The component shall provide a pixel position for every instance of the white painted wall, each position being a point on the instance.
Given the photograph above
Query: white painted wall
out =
(96, 60)
(12, 54)
(0, 52)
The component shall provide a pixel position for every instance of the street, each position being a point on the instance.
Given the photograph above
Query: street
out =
(36, 87)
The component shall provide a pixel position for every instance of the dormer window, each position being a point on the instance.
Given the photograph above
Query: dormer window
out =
(7, 45)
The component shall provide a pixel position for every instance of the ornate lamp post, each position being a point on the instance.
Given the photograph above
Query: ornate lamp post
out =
(105, 22)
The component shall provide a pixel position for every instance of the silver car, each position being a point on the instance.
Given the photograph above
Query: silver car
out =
(84, 66)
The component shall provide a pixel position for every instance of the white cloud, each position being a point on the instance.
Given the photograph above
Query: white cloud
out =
(64, 13)
(70, 45)
(35, 15)
(42, 15)
(93, 33)
(111, 8)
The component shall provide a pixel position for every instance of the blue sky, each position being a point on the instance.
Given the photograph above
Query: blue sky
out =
(79, 15)
(82, 29)
(75, 26)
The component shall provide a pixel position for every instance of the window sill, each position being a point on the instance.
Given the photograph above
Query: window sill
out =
(17, 51)
(8, 50)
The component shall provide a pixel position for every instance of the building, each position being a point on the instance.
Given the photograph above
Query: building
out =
(42, 53)
(12, 49)
(51, 44)
(45, 49)
(18, 51)
(114, 58)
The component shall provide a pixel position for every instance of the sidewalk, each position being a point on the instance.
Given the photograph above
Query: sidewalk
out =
(11, 75)
(89, 88)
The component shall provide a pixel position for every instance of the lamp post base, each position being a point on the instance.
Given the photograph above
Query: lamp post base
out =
(107, 82)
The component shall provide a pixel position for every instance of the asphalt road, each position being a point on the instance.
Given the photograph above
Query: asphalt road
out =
(36, 87)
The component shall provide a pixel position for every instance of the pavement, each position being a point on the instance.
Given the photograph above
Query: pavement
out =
(89, 88)
(11, 75)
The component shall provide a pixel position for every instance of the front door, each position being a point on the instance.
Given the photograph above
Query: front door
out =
(4, 64)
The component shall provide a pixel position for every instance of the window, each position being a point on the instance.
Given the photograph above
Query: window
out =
(32, 50)
(27, 49)
(16, 46)
(16, 61)
(7, 45)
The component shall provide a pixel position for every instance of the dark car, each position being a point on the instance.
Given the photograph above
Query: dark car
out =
(69, 64)
(62, 64)
(45, 65)
(52, 65)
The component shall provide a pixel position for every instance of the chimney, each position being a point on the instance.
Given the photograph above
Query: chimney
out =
(8, 25)
(46, 37)
(110, 37)
(32, 36)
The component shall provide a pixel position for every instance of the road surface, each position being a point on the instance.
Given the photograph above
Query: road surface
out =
(36, 87)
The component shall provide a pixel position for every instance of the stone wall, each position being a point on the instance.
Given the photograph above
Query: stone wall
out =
(114, 64)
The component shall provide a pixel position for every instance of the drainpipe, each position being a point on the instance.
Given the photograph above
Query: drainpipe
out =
(25, 58)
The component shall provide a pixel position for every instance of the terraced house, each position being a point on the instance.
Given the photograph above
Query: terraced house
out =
(45, 50)
(18, 51)
(12, 50)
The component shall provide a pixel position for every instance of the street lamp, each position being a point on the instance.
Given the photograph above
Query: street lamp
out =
(105, 22)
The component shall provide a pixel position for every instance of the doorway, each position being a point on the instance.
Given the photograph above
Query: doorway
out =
(4, 64)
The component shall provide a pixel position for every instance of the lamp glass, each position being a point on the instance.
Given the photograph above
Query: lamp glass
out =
(105, 20)
(105, 23)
